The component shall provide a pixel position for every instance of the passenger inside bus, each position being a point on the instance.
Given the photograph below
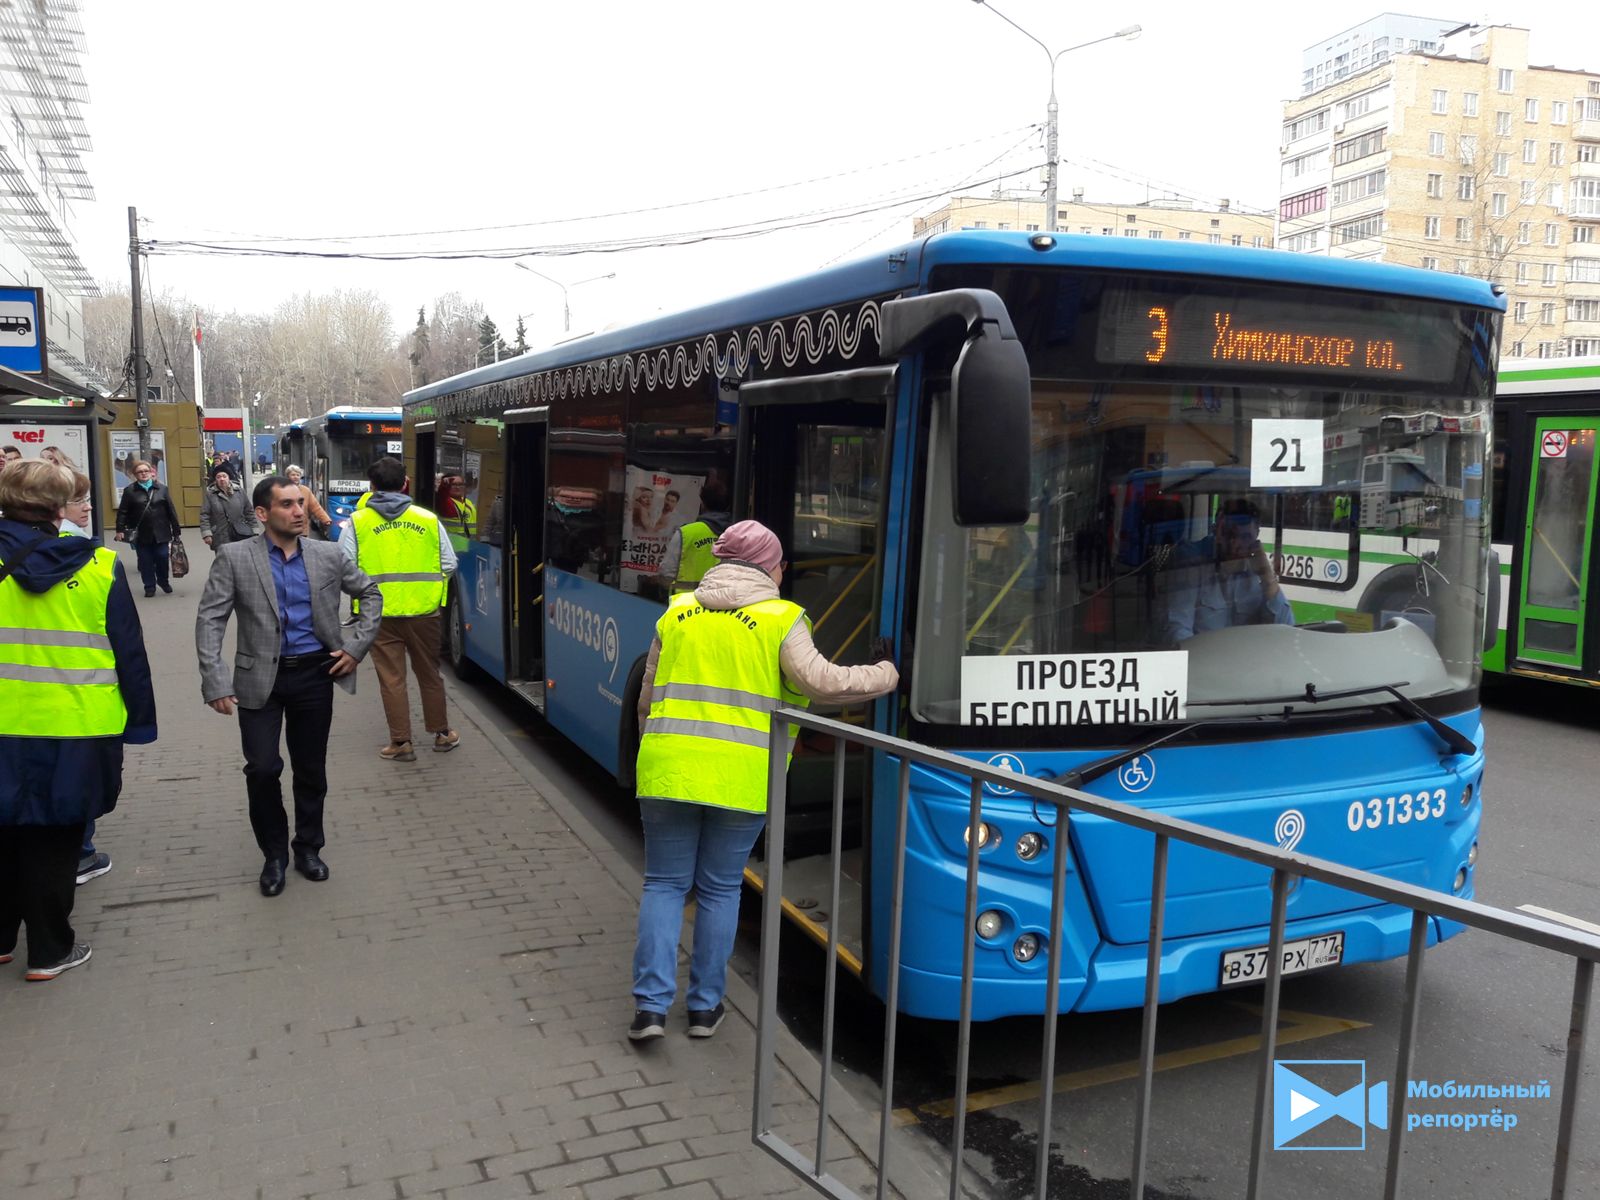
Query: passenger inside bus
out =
(1225, 578)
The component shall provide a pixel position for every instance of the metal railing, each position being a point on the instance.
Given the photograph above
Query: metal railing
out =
(1583, 948)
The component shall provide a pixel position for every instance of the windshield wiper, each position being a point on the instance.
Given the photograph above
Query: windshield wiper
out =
(1101, 766)
(1454, 738)
(1457, 741)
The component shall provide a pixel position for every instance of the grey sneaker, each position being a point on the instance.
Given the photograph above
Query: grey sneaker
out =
(647, 1025)
(704, 1022)
(78, 956)
(93, 866)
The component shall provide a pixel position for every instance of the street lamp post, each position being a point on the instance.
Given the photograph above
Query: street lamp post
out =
(1052, 113)
(566, 309)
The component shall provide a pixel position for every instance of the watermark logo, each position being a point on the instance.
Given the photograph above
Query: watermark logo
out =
(1325, 1104)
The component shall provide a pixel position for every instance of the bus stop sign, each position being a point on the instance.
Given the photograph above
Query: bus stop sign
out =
(22, 330)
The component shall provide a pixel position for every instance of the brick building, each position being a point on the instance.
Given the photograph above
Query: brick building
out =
(1464, 159)
(1174, 220)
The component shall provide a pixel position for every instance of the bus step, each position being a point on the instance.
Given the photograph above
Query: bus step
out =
(531, 690)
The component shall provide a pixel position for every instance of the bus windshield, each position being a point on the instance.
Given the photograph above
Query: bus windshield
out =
(1210, 544)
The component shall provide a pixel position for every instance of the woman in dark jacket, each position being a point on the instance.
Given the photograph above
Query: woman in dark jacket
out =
(146, 517)
(53, 778)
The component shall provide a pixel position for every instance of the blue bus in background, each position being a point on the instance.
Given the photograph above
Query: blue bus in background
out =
(335, 449)
(1006, 452)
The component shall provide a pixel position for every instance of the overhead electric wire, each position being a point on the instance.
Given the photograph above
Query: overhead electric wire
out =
(155, 316)
(632, 212)
(613, 246)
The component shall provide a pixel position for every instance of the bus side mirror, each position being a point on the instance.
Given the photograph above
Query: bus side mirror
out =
(991, 396)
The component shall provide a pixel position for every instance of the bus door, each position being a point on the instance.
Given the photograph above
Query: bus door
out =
(520, 528)
(1556, 604)
(813, 467)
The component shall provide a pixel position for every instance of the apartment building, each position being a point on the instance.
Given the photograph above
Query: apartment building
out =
(1464, 159)
(43, 136)
(1174, 220)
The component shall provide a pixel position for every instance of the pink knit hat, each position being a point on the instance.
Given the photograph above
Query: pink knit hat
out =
(750, 542)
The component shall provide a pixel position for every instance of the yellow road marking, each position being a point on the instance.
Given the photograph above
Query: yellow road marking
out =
(1302, 1027)
(817, 933)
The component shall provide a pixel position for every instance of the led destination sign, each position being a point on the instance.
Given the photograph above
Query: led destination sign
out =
(348, 428)
(1248, 329)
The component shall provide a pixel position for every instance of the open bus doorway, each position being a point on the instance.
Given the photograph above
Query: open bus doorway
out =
(813, 468)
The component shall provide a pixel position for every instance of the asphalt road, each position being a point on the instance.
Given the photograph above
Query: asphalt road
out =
(1491, 1012)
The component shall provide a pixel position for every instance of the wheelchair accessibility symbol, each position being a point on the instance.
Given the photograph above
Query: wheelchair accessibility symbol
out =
(1137, 773)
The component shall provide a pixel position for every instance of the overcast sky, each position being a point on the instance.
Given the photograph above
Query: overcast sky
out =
(337, 118)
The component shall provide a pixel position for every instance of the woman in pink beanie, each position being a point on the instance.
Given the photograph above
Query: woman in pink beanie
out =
(725, 657)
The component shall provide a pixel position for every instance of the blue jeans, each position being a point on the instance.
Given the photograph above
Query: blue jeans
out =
(88, 840)
(699, 847)
(152, 563)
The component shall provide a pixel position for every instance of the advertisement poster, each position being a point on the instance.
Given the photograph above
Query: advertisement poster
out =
(125, 452)
(472, 475)
(658, 503)
(61, 444)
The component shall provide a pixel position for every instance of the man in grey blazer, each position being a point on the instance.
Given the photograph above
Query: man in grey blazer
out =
(291, 647)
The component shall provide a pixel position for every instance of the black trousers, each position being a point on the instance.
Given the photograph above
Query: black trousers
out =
(38, 879)
(301, 706)
(153, 560)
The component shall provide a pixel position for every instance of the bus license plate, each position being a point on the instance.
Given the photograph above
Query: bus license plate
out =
(1304, 954)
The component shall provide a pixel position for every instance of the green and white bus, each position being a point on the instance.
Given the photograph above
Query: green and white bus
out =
(1542, 511)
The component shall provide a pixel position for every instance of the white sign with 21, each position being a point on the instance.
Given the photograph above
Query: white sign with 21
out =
(1285, 453)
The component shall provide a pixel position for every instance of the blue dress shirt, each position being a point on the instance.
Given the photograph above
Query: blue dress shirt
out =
(294, 602)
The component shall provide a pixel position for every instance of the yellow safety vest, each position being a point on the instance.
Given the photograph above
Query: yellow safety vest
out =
(402, 557)
(460, 527)
(717, 684)
(58, 673)
(694, 555)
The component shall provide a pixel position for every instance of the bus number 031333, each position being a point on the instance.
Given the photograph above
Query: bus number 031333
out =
(1396, 810)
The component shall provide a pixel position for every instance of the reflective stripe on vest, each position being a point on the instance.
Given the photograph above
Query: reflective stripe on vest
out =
(694, 555)
(718, 681)
(58, 672)
(402, 557)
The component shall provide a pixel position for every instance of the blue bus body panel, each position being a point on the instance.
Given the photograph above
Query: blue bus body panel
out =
(478, 583)
(593, 636)
(905, 269)
(1215, 904)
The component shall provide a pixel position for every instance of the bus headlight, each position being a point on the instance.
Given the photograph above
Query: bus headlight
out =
(988, 925)
(1466, 796)
(1472, 855)
(1029, 846)
(1026, 947)
(1461, 879)
(987, 833)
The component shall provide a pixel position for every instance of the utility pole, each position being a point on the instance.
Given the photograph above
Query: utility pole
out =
(141, 368)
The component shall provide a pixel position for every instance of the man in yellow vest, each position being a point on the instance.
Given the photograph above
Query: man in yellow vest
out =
(688, 555)
(74, 688)
(726, 656)
(406, 551)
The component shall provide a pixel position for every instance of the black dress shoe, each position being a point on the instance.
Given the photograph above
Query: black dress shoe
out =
(272, 877)
(312, 867)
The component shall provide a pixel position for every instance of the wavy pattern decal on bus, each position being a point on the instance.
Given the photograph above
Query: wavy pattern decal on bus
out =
(815, 337)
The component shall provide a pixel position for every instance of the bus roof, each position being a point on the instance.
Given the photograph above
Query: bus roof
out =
(356, 412)
(905, 268)
(1579, 374)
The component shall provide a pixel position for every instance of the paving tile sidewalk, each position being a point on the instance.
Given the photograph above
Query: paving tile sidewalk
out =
(443, 1017)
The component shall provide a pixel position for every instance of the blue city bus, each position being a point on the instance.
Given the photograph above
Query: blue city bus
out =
(335, 449)
(1006, 452)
